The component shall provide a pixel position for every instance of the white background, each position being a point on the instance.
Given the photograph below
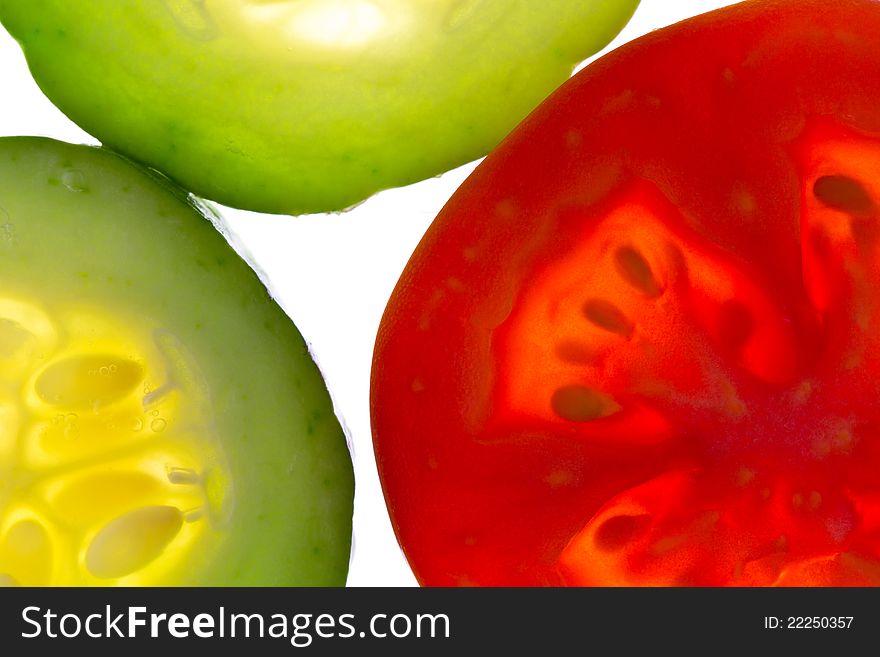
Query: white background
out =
(332, 274)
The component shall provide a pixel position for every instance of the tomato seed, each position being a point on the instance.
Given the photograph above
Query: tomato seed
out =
(616, 532)
(581, 404)
(843, 193)
(609, 317)
(635, 270)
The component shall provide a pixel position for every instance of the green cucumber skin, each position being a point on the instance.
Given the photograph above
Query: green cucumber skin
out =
(305, 132)
(123, 238)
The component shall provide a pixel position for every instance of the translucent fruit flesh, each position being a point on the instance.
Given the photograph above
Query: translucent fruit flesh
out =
(768, 424)
(161, 419)
(304, 105)
(660, 323)
(105, 449)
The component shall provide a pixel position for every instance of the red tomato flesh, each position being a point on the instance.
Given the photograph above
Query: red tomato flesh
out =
(641, 344)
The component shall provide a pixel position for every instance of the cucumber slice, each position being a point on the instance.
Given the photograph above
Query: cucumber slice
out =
(161, 420)
(292, 106)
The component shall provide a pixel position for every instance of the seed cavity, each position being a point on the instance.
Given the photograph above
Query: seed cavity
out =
(843, 193)
(89, 498)
(87, 381)
(608, 317)
(26, 553)
(635, 270)
(578, 403)
(618, 531)
(132, 541)
(84, 467)
(12, 338)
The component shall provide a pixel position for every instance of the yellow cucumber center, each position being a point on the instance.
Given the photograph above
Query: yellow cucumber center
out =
(109, 473)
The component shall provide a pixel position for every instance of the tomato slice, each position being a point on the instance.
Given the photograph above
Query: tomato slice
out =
(641, 345)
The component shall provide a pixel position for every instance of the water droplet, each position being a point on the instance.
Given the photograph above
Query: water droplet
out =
(74, 180)
(158, 425)
(137, 424)
(192, 17)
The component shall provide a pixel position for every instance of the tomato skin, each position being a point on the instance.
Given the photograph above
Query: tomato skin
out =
(716, 136)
